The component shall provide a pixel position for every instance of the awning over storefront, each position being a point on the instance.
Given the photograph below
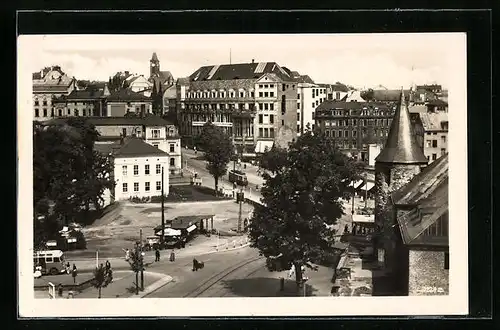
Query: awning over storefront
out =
(369, 185)
(361, 218)
(169, 232)
(191, 228)
(261, 146)
(358, 184)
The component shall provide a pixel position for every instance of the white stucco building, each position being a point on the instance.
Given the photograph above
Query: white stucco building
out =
(139, 84)
(309, 97)
(137, 168)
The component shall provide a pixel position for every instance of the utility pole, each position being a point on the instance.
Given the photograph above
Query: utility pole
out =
(142, 261)
(162, 209)
(240, 197)
(366, 190)
(352, 211)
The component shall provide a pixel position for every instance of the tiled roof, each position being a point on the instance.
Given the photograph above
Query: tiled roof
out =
(127, 95)
(428, 194)
(246, 84)
(389, 95)
(87, 94)
(107, 148)
(304, 79)
(239, 71)
(401, 146)
(183, 81)
(137, 147)
(437, 102)
(432, 121)
(119, 121)
(423, 183)
(343, 105)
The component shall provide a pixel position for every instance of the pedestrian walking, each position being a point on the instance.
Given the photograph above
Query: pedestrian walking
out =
(346, 229)
(74, 273)
(108, 265)
(157, 255)
(172, 256)
(127, 254)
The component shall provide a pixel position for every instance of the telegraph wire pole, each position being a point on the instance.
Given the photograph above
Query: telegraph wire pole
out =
(142, 261)
(162, 209)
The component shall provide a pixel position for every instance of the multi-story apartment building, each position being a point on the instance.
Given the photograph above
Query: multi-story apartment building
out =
(436, 134)
(355, 125)
(335, 91)
(255, 103)
(49, 84)
(153, 130)
(309, 97)
(86, 103)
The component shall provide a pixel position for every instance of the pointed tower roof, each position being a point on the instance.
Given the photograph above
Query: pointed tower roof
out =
(401, 146)
(154, 58)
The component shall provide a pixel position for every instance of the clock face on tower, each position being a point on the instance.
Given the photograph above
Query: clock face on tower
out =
(55, 75)
(153, 65)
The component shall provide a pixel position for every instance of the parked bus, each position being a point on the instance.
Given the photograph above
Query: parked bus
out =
(238, 177)
(51, 262)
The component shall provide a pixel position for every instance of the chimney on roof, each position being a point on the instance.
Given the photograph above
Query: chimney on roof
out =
(253, 61)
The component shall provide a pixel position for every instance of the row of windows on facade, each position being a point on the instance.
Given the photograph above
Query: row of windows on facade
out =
(76, 112)
(147, 186)
(355, 122)
(314, 104)
(346, 134)
(146, 168)
(434, 143)
(375, 112)
(239, 93)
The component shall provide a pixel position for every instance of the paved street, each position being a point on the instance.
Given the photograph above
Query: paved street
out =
(194, 164)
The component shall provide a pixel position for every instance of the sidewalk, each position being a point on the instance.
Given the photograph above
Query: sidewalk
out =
(207, 247)
(123, 285)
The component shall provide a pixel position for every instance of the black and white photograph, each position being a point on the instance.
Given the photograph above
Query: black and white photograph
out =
(293, 174)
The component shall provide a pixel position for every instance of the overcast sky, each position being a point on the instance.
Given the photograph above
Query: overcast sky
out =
(361, 60)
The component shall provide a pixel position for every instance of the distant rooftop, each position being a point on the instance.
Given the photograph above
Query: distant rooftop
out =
(239, 71)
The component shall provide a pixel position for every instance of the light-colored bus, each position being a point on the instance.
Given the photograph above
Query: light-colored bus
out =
(51, 262)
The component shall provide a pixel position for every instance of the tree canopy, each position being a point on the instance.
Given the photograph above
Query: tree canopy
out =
(303, 191)
(69, 175)
(117, 82)
(218, 149)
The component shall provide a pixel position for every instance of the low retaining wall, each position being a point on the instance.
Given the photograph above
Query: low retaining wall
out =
(68, 287)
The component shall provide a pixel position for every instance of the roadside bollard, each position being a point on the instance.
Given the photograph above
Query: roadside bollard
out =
(282, 284)
(234, 244)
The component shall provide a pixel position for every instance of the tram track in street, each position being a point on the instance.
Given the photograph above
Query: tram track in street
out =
(213, 280)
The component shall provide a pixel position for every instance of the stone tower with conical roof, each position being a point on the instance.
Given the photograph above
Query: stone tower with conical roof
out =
(400, 160)
(154, 66)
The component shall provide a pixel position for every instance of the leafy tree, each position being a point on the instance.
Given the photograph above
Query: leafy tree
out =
(68, 173)
(368, 95)
(117, 82)
(102, 278)
(303, 192)
(218, 149)
(136, 264)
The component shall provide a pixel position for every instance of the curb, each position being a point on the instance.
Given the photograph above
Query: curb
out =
(153, 287)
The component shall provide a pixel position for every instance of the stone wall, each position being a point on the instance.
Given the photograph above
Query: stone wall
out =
(388, 178)
(427, 275)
